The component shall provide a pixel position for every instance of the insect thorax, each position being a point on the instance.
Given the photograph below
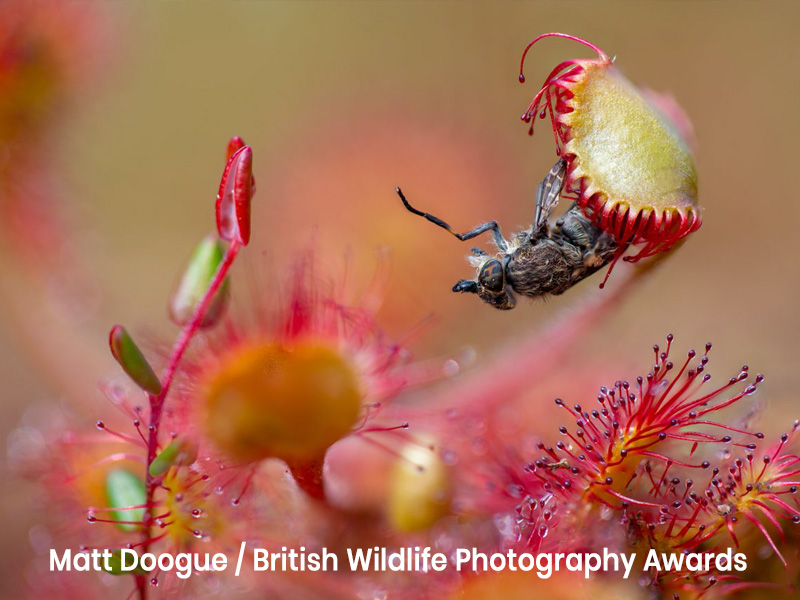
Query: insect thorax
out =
(544, 267)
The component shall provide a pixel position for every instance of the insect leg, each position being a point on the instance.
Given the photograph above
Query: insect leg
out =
(492, 226)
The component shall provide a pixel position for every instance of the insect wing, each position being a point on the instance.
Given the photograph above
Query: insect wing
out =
(548, 194)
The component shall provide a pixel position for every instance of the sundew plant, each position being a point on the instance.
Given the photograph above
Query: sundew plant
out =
(279, 410)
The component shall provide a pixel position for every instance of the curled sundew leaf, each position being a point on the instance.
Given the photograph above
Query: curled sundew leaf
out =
(233, 199)
(132, 361)
(235, 143)
(629, 158)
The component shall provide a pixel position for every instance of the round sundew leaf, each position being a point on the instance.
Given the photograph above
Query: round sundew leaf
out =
(123, 490)
(290, 403)
(624, 148)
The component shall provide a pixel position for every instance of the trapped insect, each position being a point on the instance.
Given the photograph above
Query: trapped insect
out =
(543, 260)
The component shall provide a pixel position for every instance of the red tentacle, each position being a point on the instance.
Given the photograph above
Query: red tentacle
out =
(602, 54)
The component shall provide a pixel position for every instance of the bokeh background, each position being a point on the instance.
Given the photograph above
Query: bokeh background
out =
(343, 101)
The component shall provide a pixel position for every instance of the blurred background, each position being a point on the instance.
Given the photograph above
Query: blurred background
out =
(342, 102)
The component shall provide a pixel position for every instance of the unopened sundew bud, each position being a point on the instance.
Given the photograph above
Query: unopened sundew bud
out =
(180, 452)
(419, 489)
(182, 564)
(195, 281)
(132, 361)
(114, 566)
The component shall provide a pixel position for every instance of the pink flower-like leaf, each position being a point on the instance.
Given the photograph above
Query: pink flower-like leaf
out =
(233, 199)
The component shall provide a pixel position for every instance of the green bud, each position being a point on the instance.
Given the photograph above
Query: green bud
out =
(132, 361)
(180, 453)
(124, 489)
(115, 566)
(202, 266)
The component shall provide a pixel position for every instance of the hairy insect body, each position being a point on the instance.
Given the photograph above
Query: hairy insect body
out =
(543, 268)
(543, 260)
(553, 264)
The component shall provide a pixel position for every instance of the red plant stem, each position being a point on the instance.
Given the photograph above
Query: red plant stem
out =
(193, 325)
(168, 376)
(308, 476)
